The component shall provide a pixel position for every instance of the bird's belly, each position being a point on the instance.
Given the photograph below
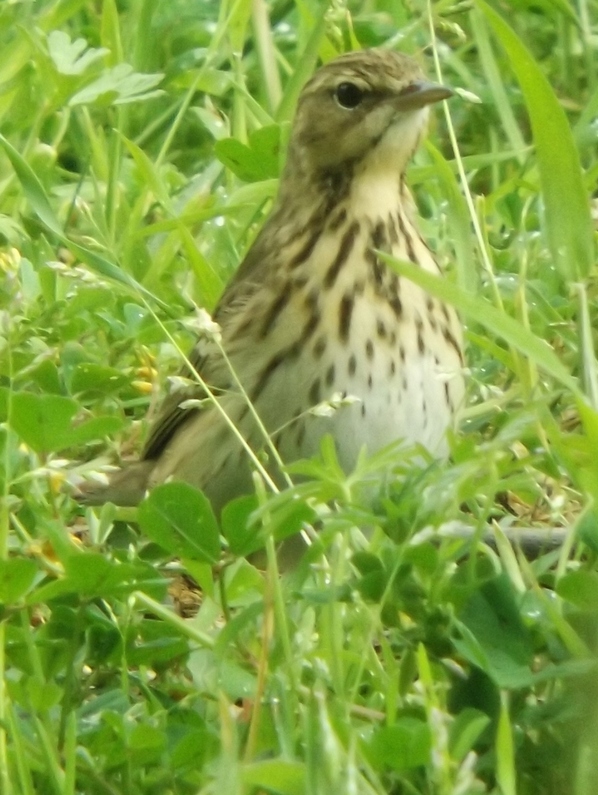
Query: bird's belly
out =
(389, 381)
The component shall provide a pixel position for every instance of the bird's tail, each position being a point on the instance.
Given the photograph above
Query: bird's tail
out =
(127, 487)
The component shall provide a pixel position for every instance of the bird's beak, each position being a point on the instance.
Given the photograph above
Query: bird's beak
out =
(420, 93)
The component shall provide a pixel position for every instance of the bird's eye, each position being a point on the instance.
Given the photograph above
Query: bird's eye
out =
(348, 95)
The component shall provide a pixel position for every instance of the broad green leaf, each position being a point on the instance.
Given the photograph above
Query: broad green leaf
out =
(46, 422)
(120, 85)
(92, 575)
(243, 536)
(244, 581)
(234, 628)
(144, 736)
(95, 428)
(281, 776)
(265, 144)
(72, 57)
(373, 586)
(180, 519)
(493, 636)
(253, 163)
(91, 377)
(404, 745)
(41, 694)
(492, 319)
(587, 529)
(580, 588)
(190, 750)
(16, 578)
(103, 639)
(374, 578)
(566, 201)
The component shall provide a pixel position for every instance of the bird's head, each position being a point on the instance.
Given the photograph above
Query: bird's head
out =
(370, 104)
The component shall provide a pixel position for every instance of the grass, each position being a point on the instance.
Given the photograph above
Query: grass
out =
(141, 143)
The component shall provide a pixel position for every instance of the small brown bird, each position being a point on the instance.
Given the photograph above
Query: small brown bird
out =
(313, 311)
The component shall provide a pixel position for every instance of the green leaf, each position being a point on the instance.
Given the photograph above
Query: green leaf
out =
(120, 85)
(279, 776)
(41, 694)
(568, 218)
(16, 578)
(493, 636)
(33, 189)
(144, 736)
(580, 588)
(374, 579)
(180, 519)
(372, 586)
(190, 751)
(157, 642)
(286, 515)
(587, 529)
(243, 536)
(265, 145)
(45, 422)
(91, 377)
(103, 640)
(465, 731)
(38, 199)
(72, 57)
(404, 745)
(92, 575)
(149, 173)
(256, 162)
(95, 428)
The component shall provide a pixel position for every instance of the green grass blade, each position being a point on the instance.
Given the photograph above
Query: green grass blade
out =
(505, 755)
(38, 199)
(459, 221)
(303, 70)
(492, 319)
(566, 202)
(497, 85)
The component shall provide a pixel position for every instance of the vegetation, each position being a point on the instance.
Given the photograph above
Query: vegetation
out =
(141, 146)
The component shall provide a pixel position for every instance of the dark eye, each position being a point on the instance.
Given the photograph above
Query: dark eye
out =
(348, 95)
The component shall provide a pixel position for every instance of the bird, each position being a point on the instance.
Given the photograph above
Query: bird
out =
(313, 314)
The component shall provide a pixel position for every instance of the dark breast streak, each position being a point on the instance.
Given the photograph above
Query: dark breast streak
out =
(342, 255)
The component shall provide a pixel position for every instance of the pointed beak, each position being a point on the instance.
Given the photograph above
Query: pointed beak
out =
(419, 94)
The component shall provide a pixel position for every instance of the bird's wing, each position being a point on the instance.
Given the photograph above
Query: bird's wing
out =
(171, 414)
(205, 357)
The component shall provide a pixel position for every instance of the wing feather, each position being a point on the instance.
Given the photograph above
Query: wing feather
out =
(205, 356)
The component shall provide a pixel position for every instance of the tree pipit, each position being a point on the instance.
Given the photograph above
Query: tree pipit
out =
(313, 311)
